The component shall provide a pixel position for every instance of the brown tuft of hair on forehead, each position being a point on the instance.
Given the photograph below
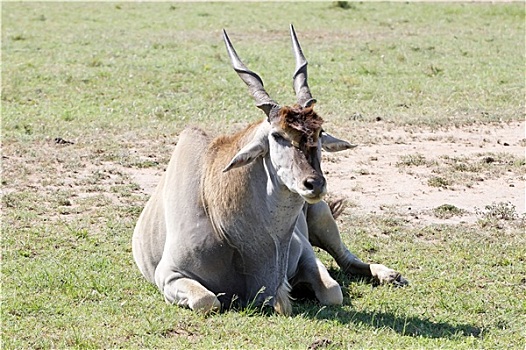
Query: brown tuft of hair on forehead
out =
(301, 124)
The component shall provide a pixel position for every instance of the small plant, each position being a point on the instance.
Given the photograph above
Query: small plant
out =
(416, 159)
(254, 307)
(499, 211)
(433, 70)
(18, 37)
(446, 211)
(363, 171)
(498, 214)
(437, 181)
(95, 62)
(343, 5)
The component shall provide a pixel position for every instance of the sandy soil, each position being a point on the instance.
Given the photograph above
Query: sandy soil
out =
(372, 180)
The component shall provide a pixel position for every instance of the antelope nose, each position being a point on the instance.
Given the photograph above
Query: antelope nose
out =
(315, 185)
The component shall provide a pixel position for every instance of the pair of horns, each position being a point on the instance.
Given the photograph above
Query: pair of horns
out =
(255, 84)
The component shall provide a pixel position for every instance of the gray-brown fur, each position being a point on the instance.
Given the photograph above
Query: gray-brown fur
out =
(235, 217)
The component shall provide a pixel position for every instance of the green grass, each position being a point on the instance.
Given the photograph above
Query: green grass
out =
(446, 211)
(465, 170)
(122, 80)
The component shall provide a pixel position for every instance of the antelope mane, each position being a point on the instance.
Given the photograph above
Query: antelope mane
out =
(302, 124)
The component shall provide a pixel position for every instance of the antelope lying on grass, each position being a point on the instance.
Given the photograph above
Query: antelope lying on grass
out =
(232, 216)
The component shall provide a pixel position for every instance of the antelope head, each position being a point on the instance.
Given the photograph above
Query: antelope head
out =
(292, 136)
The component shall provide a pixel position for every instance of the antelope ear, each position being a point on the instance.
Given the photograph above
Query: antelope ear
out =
(331, 144)
(247, 154)
(257, 146)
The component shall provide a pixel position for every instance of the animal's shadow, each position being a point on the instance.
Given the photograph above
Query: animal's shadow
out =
(306, 305)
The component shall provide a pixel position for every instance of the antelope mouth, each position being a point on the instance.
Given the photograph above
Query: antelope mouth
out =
(313, 198)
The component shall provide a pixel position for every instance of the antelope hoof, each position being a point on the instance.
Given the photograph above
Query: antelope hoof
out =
(385, 275)
(206, 304)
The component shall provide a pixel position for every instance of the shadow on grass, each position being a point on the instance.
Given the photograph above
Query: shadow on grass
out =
(408, 326)
(307, 305)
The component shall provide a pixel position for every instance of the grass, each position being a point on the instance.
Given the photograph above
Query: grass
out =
(445, 211)
(462, 171)
(496, 214)
(416, 159)
(120, 81)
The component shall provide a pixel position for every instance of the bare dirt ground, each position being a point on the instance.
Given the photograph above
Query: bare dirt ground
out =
(393, 174)
(372, 178)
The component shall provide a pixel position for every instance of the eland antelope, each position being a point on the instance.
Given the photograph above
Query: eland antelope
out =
(235, 218)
